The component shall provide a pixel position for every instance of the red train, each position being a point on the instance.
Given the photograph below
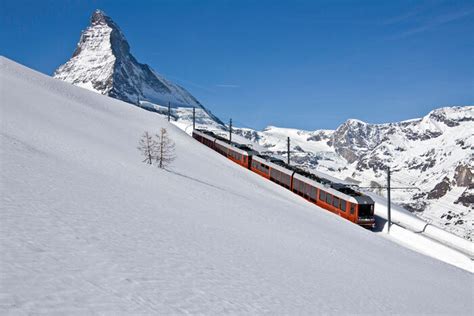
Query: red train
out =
(335, 197)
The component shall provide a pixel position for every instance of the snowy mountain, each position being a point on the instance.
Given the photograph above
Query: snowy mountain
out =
(87, 228)
(102, 63)
(433, 154)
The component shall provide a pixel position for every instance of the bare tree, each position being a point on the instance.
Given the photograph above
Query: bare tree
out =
(165, 149)
(148, 147)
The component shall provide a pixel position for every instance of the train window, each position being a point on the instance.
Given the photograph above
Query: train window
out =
(278, 175)
(335, 202)
(312, 193)
(287, 180)
(343, 205)
(352, 208)
(328, 198)
(364, 210)
(295, 185)
(300, 187)
(322, 195)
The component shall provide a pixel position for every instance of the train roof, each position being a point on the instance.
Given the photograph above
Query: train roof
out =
(249, 150)
(340, 187)
(207, 132)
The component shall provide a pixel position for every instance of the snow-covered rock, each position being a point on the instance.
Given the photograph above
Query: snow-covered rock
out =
(102, 63)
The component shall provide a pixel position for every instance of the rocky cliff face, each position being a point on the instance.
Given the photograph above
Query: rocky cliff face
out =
(433, 155)
(102, 62)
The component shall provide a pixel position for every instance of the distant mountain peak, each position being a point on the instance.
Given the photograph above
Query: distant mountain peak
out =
(102, 62)
(100, 17)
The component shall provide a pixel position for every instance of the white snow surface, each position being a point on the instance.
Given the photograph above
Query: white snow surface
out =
(87, 228)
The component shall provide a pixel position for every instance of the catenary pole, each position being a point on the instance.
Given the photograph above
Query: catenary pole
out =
(194, 118)
(230, 131)
(288, 149)
(389, 211)
(169, 111)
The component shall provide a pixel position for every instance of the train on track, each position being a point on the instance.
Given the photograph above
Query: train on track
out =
(335, 197)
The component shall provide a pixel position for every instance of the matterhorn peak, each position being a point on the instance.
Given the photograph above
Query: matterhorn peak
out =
(100, 17)
(102, 62)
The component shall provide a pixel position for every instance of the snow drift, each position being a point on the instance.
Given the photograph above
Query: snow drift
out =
(87, 228)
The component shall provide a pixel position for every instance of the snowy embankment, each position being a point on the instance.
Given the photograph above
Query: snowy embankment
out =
(415, 233)
(86, 227)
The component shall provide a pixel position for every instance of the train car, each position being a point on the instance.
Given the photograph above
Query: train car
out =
(260, 166)
(233, 153)
(207, 138)
(223, 147)
(279, 174)
(336, 198)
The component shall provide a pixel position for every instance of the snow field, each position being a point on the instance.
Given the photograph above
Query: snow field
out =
(87, 228)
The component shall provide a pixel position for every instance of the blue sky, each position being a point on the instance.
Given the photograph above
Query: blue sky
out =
(302, 64)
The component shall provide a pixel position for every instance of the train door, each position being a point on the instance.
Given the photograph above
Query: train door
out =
(352, 208)
(343, 211)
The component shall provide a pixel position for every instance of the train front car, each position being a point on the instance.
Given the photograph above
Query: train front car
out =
(365, 211)
(335, 197)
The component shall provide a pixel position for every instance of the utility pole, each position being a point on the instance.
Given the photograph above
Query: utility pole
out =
(230, 131)
(389, 190)
(169, 111)
(288, 149)
(389, 211)
(194, 118)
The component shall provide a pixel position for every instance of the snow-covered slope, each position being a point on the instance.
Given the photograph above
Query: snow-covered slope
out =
(434, 154)
(87, 228)
(102, 63)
